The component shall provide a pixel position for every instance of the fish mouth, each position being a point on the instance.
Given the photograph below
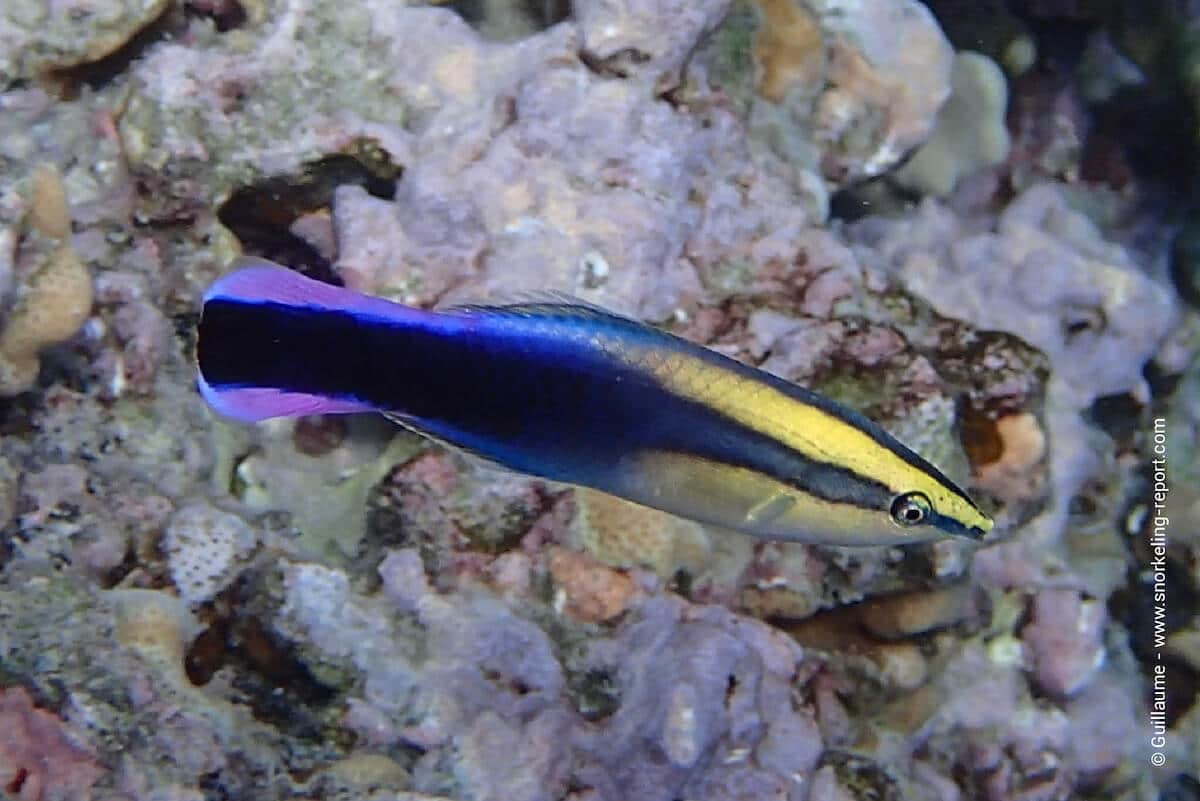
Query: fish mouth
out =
(957, 529)
(976, 533)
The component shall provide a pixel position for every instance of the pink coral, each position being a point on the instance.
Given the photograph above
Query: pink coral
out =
(141, 331)
(1065, 641)
(39, 760)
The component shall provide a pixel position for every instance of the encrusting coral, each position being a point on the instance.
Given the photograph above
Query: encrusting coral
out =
(970, 134)
(54, 299)
(623, 534)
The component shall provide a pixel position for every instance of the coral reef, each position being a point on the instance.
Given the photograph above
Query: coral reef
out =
(332, 607)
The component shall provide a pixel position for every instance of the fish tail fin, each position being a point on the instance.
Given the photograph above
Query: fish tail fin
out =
(273, 343)
(254, 280)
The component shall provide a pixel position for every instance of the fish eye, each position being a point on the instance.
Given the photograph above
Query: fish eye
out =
(911, 509)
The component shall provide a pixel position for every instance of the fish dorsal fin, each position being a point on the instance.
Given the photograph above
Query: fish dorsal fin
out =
(542, 303)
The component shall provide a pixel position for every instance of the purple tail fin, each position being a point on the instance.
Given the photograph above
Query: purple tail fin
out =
(260, 281)
(255, 364)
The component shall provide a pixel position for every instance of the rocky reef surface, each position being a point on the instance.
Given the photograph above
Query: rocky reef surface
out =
(946, 215)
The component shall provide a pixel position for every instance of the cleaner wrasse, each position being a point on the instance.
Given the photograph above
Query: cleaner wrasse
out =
(575, 394)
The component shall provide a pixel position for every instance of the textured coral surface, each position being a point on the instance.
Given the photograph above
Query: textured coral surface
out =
(974, 222)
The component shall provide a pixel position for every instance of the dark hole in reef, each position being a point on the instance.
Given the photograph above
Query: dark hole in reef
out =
(226, 15)
(129, 562)
(1184, 260)
(213, 788)
(1183, 683)
(982, 25)
(618, 65)
(1162, 383)
(16, 414)
(507, 682)
(865, 779)
(6, 547)
(596, 693)
(206, 655)
(386, 529)
(682, 583)
(510, 21)
(69, 81)
(576, 788)
(879, 197)
(1061, 38)
(849, 205)
(279, 688)
(1120, 416)
(1082, 506)
(1156, 129)
(1134, 606)
(261, 215)
(1180, 787)
(66, 366)
(184, 325)
(1083, 319)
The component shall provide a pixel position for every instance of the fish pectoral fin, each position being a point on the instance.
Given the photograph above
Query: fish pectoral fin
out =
(769, 509)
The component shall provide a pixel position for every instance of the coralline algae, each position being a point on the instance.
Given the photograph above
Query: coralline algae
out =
(190, 609)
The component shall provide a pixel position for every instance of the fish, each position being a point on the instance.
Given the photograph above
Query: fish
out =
(572, 393)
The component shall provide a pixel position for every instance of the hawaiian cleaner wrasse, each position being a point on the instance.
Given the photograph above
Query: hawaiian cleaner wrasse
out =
(575, 394)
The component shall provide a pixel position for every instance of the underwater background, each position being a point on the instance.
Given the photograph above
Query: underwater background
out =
(975, 222)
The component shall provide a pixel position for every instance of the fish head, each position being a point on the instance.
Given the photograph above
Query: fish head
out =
(911, 515)
(935, 511)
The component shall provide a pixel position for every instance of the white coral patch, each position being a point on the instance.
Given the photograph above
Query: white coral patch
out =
(204, 546)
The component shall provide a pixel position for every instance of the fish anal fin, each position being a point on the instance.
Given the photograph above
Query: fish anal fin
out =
(252, 404)
(423, 429)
